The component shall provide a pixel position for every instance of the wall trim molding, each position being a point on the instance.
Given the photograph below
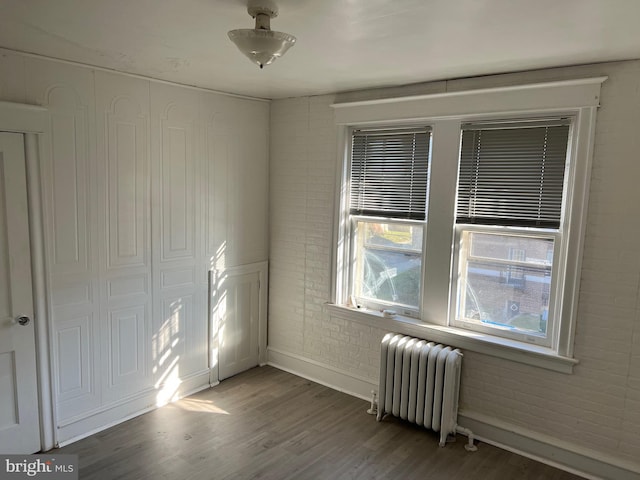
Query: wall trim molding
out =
(114, 414)
(545, 449)
(564, 95)
(22, 118)
(132, 75)
(40, 292)
(332, 377)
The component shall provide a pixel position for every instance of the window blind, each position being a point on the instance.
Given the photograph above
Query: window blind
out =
(512, 175)
(389, 170)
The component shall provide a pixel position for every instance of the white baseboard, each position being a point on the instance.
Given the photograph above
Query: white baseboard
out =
(564, 455)
(321, 373)
(569, 457)
(111, 415)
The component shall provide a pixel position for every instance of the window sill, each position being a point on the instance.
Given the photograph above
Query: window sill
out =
(466, 340)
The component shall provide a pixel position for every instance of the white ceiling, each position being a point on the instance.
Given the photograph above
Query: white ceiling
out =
(342, 44)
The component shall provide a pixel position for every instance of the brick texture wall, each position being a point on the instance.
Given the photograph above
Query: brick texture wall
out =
(598, 407)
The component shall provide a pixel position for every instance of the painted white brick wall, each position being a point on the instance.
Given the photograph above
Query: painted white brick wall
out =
(598, 407)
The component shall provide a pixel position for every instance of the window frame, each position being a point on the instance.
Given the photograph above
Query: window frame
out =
(369, 303)
(557, 273)
(445, 113)
(559, 234)
(349, 220)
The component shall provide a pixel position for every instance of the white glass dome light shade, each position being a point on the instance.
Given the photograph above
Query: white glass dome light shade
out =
(262, 47)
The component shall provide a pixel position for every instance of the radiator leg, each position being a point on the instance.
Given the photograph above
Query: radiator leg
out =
(470, 446)
(373, 410)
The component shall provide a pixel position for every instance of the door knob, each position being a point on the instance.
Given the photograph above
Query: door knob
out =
(23, 320)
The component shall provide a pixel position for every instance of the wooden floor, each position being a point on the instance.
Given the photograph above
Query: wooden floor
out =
(269, 424)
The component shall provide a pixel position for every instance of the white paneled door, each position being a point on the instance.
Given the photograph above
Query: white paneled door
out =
(19, 417)
(239, 310)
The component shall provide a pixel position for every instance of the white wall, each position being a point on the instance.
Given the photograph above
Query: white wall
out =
(146, 187)
(594, 412)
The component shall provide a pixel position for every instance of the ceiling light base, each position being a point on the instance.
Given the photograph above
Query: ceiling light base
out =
(256, 10)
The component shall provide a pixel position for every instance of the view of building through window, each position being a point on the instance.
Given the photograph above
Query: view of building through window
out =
(507, 280)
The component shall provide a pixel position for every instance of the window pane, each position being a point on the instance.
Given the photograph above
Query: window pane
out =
(506, 281)
(388, 262)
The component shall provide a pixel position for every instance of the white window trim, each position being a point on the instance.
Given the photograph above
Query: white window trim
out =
(446, 112)
(465, 339)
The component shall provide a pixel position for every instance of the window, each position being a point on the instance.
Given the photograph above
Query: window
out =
(471, 226)
(387, 207)
(508, 215)
(508, 223)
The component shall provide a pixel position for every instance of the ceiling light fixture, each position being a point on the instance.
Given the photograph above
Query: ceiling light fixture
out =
(262, 45)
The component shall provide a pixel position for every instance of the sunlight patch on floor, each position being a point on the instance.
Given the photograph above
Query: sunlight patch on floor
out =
(195, 405)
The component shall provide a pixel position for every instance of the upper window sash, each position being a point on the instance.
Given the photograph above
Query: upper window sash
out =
(389, 173)
(513, 174)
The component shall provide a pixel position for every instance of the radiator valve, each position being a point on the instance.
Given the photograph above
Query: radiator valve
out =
(373, 410)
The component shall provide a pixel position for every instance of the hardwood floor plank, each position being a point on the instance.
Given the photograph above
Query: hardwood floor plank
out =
(269, 424)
